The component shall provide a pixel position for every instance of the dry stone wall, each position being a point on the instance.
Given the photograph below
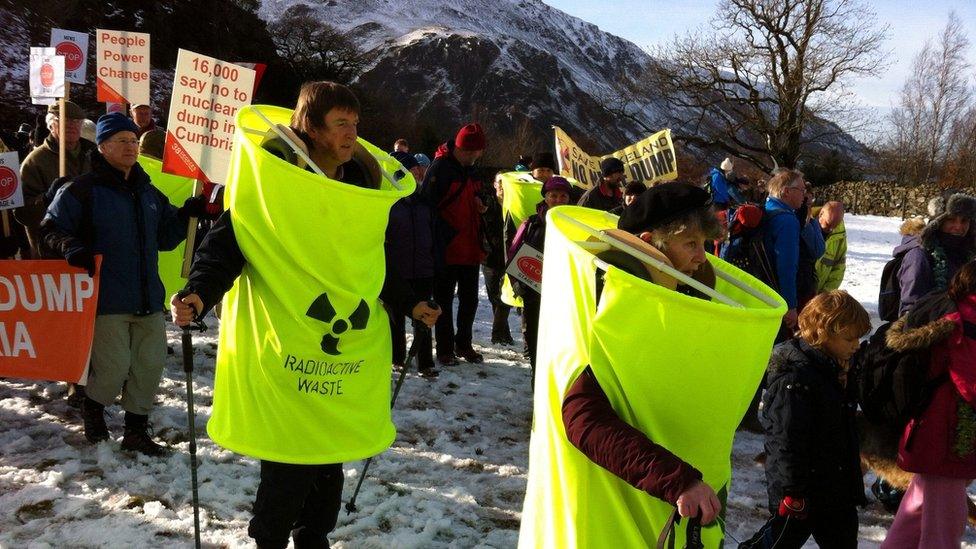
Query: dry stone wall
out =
(881, 198)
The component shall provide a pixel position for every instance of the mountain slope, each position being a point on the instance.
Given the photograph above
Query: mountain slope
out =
(507, 63)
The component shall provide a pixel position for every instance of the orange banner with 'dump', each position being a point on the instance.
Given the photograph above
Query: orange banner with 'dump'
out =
(47, 319)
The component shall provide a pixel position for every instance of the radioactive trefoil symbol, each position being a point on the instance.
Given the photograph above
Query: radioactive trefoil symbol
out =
(321, 309)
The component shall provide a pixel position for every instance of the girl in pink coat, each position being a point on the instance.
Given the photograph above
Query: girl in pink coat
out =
(939, 446)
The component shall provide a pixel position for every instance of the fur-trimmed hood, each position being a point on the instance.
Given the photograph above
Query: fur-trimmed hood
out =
(912, 226)
(901, 339)
(940, 208)
(924, 326)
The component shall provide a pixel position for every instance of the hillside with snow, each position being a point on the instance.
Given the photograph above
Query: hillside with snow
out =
(454, 478)
(507, 62)
(517, 66)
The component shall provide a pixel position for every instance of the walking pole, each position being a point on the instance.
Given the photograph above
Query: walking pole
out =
(191, 235)
(411, 357)
(187, 340)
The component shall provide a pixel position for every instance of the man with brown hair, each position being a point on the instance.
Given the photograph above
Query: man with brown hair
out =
(297, 495)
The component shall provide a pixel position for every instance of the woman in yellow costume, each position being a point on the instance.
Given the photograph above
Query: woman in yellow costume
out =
(635, 403)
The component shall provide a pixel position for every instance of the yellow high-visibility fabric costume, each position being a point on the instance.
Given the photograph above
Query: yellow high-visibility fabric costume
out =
(664, 361)
(304, 362)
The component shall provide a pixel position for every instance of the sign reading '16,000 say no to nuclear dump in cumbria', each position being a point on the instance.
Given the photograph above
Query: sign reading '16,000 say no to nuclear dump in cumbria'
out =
(207, 93)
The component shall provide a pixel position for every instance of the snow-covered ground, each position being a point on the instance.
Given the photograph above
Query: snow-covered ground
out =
(454, 478)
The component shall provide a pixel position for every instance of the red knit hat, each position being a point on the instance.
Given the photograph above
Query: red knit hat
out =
(470, 138)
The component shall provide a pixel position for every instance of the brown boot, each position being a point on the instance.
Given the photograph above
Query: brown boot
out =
(137, 437)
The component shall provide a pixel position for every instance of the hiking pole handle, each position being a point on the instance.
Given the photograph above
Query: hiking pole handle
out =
(197, 322)
(693, 533)
(431, 304)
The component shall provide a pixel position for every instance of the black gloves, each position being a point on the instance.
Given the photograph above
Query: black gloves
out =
(83, 259)
(195, 206)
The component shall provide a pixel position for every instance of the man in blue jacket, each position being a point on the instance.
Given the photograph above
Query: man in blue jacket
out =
(114, 211)
(781, 236)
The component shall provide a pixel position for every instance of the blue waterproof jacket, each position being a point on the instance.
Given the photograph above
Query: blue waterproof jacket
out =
(720, 186)
(781, 238)
(127, 221)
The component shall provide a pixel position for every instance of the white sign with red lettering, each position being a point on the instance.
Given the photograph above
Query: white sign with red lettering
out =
(46, 75)
(11, 193)
(122, 75)
(73, 46)
(207, 93)
(526, 267)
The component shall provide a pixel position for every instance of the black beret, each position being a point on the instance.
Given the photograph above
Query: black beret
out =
(662, 204)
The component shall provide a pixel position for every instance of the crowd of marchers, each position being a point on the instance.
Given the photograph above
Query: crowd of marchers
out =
(453, 232)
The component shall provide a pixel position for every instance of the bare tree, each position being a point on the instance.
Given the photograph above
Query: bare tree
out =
(961, 165)
(314, 50)
(508, 143)
(933, 126)
(753, 84)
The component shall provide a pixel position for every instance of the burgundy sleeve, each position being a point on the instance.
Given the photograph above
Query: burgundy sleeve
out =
(595, 429)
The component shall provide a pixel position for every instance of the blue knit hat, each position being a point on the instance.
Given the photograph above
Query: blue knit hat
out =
(111, 124)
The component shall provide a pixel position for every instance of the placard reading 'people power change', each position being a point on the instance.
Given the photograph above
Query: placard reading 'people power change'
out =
(207, 93)
(123, 66)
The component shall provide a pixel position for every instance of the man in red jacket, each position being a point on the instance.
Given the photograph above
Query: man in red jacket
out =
(453, 191)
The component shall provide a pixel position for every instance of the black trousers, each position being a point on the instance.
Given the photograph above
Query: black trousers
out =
(831, 528)
(462, 279)
(499, 310)
(422, 288)
(301, 500)
(530, 325)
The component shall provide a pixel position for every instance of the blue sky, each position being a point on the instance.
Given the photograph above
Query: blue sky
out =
(652, 22)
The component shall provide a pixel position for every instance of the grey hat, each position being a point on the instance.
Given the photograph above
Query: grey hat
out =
(74, 111)
(962, 205)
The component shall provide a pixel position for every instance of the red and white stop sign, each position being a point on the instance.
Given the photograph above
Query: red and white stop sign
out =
(8, 182)
(530, 267)
(73, 57)
(47, 75)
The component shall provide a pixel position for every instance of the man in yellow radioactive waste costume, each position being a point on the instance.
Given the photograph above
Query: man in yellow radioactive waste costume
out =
(303, 368)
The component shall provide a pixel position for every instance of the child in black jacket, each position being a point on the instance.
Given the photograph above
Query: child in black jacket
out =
(813, 471)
